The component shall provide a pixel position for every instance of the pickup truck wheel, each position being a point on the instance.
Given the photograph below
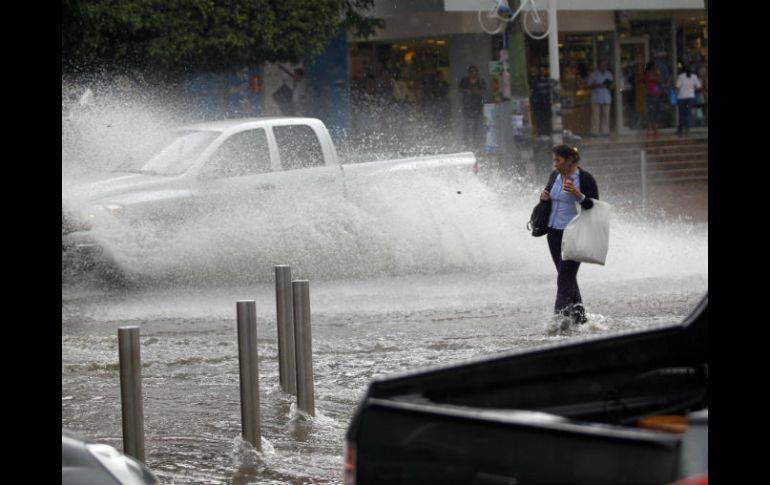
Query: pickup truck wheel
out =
(112, 276)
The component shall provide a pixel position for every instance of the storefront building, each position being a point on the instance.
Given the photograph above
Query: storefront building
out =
(417, 61)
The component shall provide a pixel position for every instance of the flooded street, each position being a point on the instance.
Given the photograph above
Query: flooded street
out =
(405, 273)
(361, 328)
(390, 153)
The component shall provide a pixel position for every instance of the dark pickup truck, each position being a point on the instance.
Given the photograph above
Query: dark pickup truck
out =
(629, 408)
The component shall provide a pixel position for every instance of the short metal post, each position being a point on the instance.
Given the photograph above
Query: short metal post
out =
(304, 344)
(644, 178)
(131, 391)
(249, 371)
(284, 311)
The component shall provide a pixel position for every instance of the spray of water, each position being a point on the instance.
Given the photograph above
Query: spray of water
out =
(417, 223)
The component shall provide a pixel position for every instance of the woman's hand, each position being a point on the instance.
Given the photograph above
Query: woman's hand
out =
(544, 195)
(570, 188)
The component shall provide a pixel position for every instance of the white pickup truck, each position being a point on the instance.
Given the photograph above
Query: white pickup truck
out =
(220, 165)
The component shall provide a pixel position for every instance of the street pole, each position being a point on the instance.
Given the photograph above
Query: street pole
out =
(521, 148)
(303, 340)
(506, 148)
(132, 403)
(246, 317)
(553, 60)
(284, 312)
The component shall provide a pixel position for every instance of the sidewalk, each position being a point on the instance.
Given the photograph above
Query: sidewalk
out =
(686, 199)
(689, 199)
(670, 157)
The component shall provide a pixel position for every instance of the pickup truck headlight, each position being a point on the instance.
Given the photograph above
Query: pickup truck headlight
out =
(114, 209)
(86, 220)
(71, 223)
(99, 212)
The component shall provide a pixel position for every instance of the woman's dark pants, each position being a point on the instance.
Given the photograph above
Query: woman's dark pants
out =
(568, 300)
(685, 109)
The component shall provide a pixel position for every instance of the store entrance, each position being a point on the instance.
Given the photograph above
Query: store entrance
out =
(631, 107)
(401, 88)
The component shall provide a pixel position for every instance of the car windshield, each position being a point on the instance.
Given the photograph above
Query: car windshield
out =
(178, 155)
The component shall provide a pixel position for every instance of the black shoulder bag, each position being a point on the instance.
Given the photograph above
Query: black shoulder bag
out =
(538, 221)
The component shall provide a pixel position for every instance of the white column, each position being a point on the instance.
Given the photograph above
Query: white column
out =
(553, 58)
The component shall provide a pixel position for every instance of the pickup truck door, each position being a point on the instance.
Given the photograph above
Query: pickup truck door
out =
(307, 161)
(262, 169)
(239, 175)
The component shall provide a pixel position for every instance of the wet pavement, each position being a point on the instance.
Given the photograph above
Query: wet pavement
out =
(457, 282)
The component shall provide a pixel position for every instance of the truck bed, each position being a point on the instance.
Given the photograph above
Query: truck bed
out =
(567, 413)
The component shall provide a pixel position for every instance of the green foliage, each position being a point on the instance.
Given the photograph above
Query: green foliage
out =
(201, 34)
(360, 25)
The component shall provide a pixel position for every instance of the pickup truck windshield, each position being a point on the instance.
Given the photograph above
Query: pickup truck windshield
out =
(178, 155)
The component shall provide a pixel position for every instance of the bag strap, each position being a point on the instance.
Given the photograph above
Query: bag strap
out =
(551, 180)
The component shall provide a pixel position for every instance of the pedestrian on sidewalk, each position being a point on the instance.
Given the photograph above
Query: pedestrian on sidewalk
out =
(302, 96)
(686, 84)
(654, 93)
(472, 88)
(541, 101)
(600, 82)
(567, 184)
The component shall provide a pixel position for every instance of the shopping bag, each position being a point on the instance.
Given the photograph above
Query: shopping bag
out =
(698, 101)
(586, 238)
(672, 97)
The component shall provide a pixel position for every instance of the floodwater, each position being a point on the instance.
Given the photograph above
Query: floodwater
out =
(465, 295)
(401, 277)
(361, 328)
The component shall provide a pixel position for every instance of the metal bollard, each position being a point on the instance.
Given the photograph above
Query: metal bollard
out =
(304, 346)
(284, 311)
(644, 178)
(249, 371)
(131, 391)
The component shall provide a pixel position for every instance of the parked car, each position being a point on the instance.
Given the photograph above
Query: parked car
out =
(84, 461)
(621, 409)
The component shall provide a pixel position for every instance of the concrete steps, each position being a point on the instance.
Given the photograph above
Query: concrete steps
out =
(616, 163)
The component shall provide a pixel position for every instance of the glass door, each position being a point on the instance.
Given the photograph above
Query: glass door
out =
(631, 56)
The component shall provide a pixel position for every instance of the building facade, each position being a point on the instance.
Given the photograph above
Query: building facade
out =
(428, 39)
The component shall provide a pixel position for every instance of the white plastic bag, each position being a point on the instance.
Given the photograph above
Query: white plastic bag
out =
(587, 236)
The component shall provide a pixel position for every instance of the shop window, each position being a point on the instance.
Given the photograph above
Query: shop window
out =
(576, 61)
(401, 88)
(692, 49)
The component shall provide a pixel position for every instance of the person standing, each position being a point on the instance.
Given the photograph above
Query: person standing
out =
(541, 101)
(640, 95)
(472, 88)
(686, 84)
(302, 95)
(654, 93)
(567, 184)
(600, 82)
(435, 91)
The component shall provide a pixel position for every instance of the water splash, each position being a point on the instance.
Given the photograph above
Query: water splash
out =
(418, 223)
